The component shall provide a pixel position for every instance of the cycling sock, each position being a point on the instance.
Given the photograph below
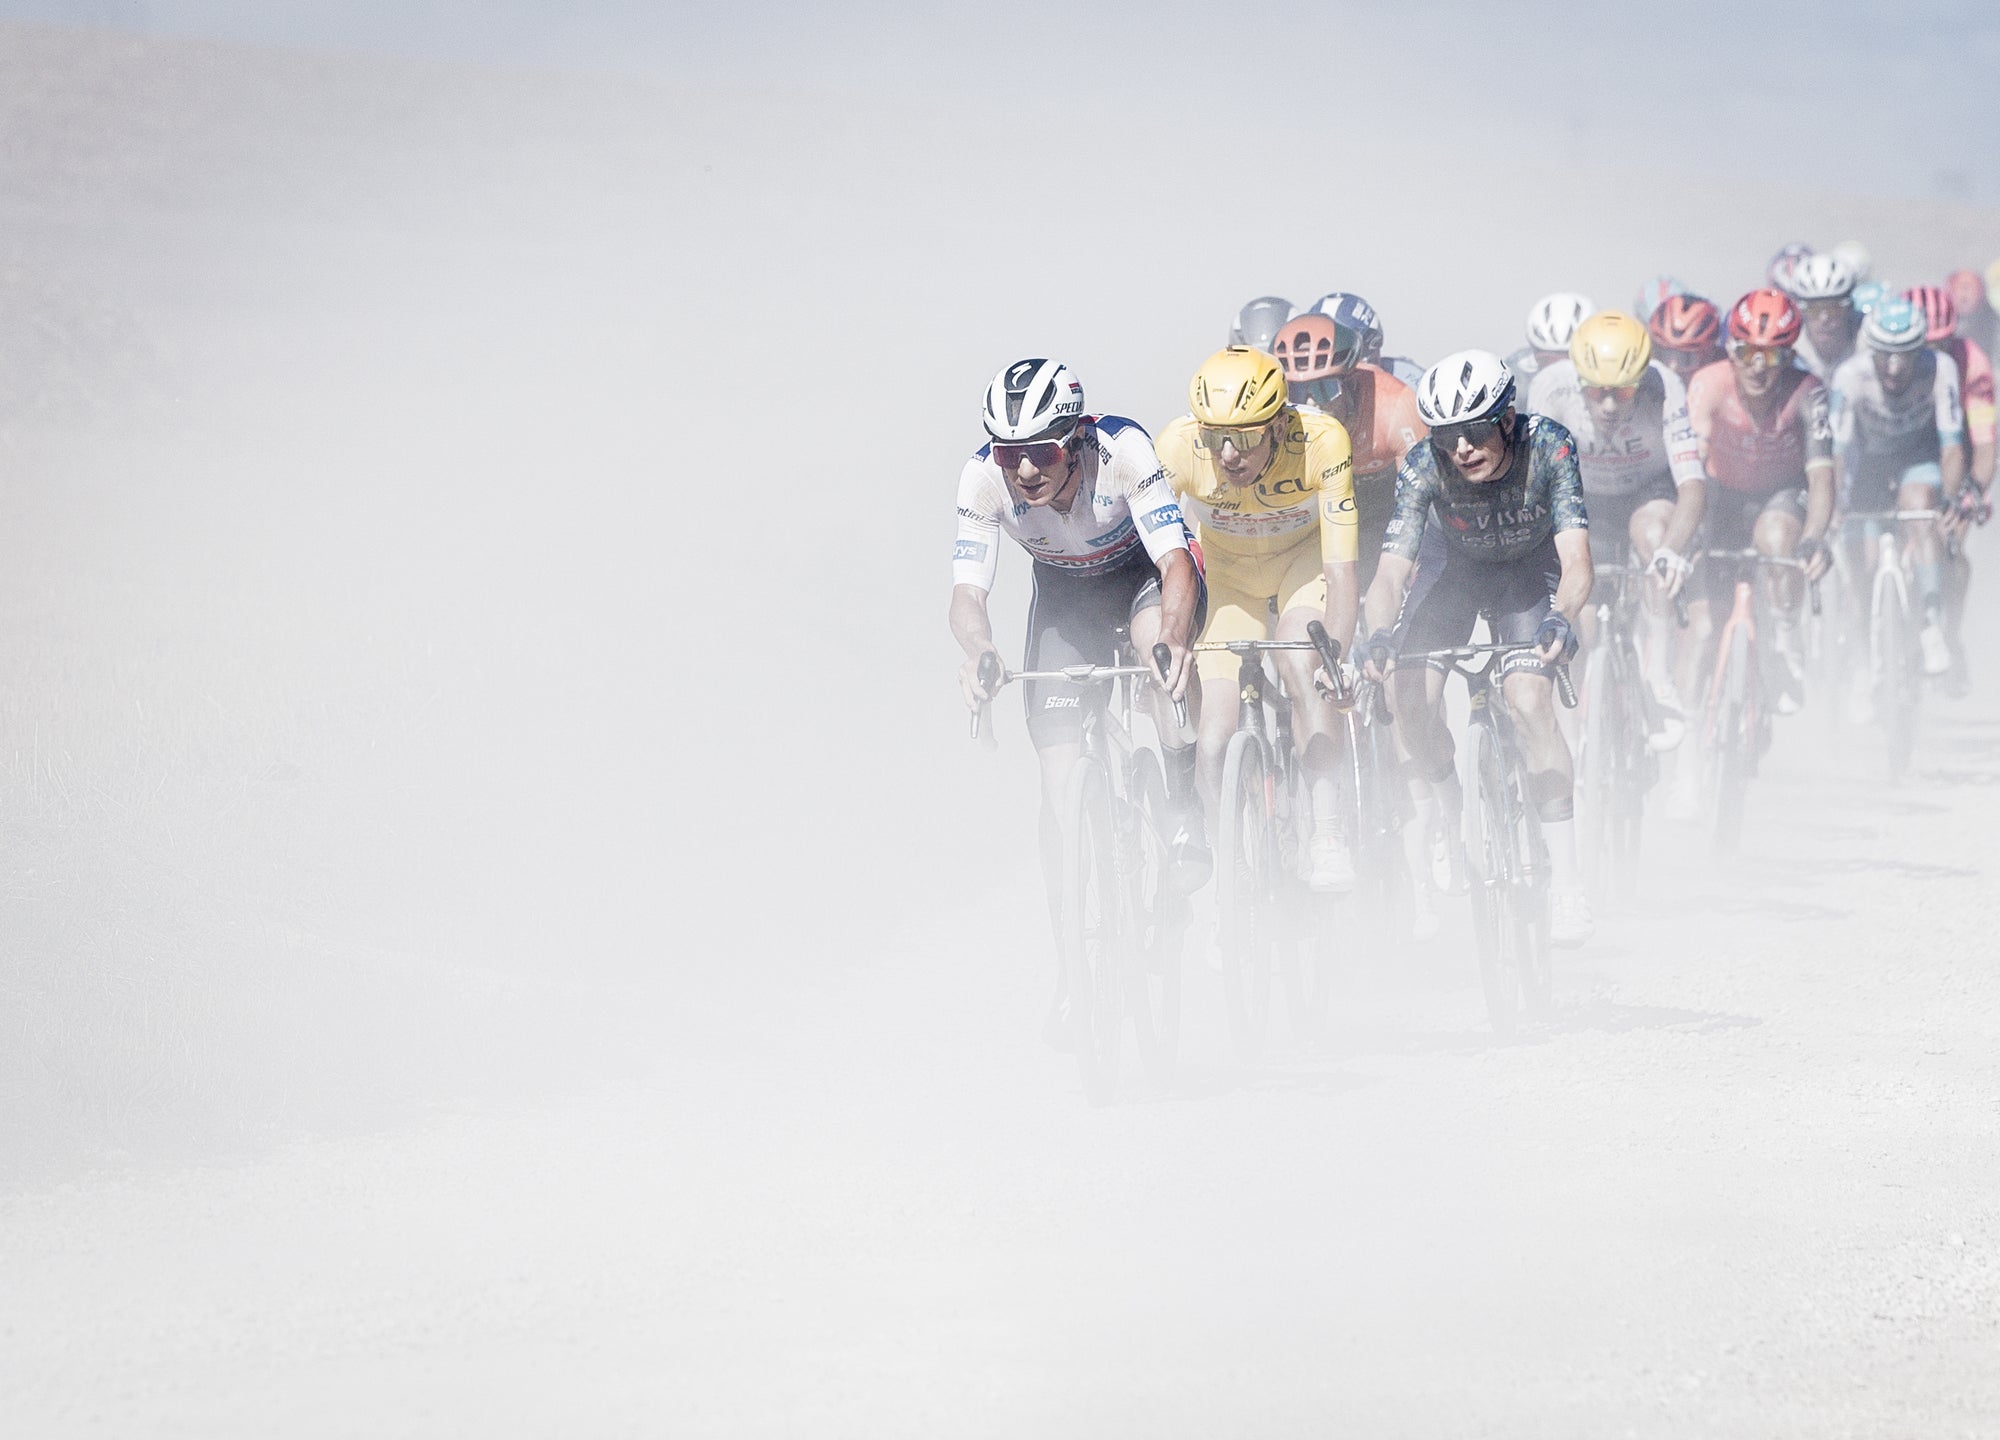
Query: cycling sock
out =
(1553, 794)
(1563, 869)
(1326, 805)
(1180, 773)
(1451, 801)
(1930, 586)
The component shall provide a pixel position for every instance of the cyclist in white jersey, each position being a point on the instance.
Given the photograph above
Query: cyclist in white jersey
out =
(1899, 444)
(1823, 286)
(1084, 495)
(1551, 323)
(1642, 475)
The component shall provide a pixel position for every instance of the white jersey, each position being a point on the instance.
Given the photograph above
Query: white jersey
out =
(1122, 505)
(1654, 442)
(1908, 428)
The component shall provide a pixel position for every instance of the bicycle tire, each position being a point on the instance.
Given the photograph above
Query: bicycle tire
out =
(1893, 657)
(1597, 766)
(1093, 942)
(1493, 925)
(1534, 957)
(1245, 891)
(1153, 976)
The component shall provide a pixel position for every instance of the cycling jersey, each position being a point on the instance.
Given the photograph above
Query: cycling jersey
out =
(1306, 492)
(1881, 432)
(1654, 442)
(1495, 521)
(1526, 363)
(1402, 367)
(1121, 506)
(1821, 366)
(1975, 387)
(1380, 413)
(1740, 451)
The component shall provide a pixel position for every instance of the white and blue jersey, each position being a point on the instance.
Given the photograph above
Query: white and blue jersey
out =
(1122, 506)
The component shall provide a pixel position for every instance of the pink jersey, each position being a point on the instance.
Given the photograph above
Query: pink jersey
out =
(1756, 456)
(1975, 388)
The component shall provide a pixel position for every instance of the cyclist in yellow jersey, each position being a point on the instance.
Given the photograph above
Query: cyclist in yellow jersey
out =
(1270, 491)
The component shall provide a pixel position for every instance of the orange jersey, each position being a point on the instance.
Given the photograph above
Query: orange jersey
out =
(1380, 413)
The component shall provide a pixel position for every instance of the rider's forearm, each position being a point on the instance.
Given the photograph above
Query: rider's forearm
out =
(1951, 464)
(1689, 503)
(1578, 576)
(1982, 465)
(1343, 601)
(970, 625)
(1180, 588)
(1385, 596)
(1819, 501)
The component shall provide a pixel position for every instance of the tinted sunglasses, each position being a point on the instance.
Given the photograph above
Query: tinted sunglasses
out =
(1042, 454)
(1244, 437)
(1474, 432)
(1625, 393)
(1759, 357)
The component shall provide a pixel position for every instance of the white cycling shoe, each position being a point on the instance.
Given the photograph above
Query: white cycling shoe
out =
(1937, 653)
(1424, 921)
(1570, 920)
(1332, 863)
(1673, 725)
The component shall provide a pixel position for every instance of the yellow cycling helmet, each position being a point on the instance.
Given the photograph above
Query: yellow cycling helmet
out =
(1237, 386)
(1610, 349)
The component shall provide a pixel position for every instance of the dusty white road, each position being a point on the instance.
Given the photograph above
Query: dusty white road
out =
(1745, 1185)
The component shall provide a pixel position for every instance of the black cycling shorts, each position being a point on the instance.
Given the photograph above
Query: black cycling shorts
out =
(1611, 519)
(1074, 620)
(1729, 522)
(1447, 597)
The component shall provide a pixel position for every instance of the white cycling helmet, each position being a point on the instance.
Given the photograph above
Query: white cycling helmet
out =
(1555, 318)
(1820, 277)
(1471, 385)
(1854, 255)
(1258, 323)
(1033, 400)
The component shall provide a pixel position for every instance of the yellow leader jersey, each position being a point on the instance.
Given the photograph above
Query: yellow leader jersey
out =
(1306, 489)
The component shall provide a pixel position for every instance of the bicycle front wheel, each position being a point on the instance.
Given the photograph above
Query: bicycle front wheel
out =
(1093, 938)
(1893, 658)
(1734, 744)
(1494, 924)
(1246, 887)
(1153, 975)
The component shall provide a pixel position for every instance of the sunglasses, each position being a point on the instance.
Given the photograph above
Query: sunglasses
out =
(1244, 437)
(1473, 432)
(1625, 393)
(1042, 454)
(1759, 357)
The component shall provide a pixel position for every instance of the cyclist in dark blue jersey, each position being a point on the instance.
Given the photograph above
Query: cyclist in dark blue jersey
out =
(1511, 543)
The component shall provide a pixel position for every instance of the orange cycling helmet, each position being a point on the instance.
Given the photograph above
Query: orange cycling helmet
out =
(1940, 311)
(1686, 322)
(1765, 318)
(1312, 346)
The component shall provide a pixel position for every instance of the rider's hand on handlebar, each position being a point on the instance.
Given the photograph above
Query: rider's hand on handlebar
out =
(1178, 670)
(1377, 651)
(1557, 641)
(969, 684)
(1813, 554)
(1670, 568)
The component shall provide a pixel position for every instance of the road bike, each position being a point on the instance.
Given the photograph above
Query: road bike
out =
(1736, 707)
(1895, 668)
(1121, 919)
(1267, 919)
(1510, 891)
(1623, 731)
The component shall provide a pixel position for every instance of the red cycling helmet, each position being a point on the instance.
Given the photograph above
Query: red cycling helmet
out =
(1765, 318)
(1686, 322)
(1940, 313)
(1312, 346)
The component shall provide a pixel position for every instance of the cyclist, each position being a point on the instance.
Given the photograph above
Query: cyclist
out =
(1977, 321)
(1946, 334)
(1270, 488)
(1512, 543)
(1654, 293)
(1323, 365)
(1760, 423)
(1687, 334)
(1551, 322)
(1636, 448)
(1256, 324)
(1084, 496)
(1824, 290)
(1357, 314)
(1778, 274)
(1901, 445)
(1899, 442)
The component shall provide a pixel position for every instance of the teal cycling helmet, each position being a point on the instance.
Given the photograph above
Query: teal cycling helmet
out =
(1895, 327)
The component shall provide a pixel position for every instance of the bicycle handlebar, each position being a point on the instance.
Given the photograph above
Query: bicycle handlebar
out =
(1878, 516)
(1329, 659)
(1776, 562)
(1457, 656)
(1163, 659)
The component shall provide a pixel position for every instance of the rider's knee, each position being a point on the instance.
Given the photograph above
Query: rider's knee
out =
(1553, 794)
